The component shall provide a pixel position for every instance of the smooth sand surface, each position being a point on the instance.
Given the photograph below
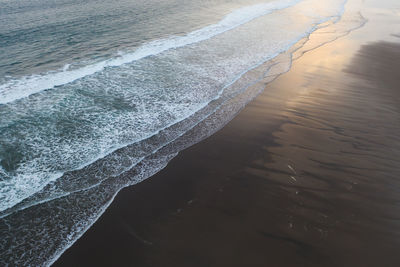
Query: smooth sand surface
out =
(306, 175)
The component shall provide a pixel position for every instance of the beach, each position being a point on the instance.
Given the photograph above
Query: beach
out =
(307, 174)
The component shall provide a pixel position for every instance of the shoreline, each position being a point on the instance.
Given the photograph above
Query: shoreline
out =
(199, 195)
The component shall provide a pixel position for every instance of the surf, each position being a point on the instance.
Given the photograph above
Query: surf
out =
(15, 89)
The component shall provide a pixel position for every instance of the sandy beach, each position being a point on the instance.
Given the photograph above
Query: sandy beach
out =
(306, 175)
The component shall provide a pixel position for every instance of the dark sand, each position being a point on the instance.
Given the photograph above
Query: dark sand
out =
(308, 174)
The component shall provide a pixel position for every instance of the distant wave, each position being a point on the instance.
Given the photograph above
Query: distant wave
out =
(19, 88)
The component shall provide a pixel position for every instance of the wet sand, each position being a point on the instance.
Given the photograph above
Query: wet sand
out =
(306, 175)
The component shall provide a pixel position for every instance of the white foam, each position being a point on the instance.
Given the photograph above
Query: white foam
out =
(28, 85)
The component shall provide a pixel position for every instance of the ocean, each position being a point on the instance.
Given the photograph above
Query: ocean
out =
(93, 94)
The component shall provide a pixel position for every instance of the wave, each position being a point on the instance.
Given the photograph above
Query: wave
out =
(19, 88)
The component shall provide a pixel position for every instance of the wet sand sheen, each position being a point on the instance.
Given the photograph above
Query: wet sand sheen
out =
(306, 175)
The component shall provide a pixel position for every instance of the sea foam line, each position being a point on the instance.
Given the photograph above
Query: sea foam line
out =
(23, 87)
